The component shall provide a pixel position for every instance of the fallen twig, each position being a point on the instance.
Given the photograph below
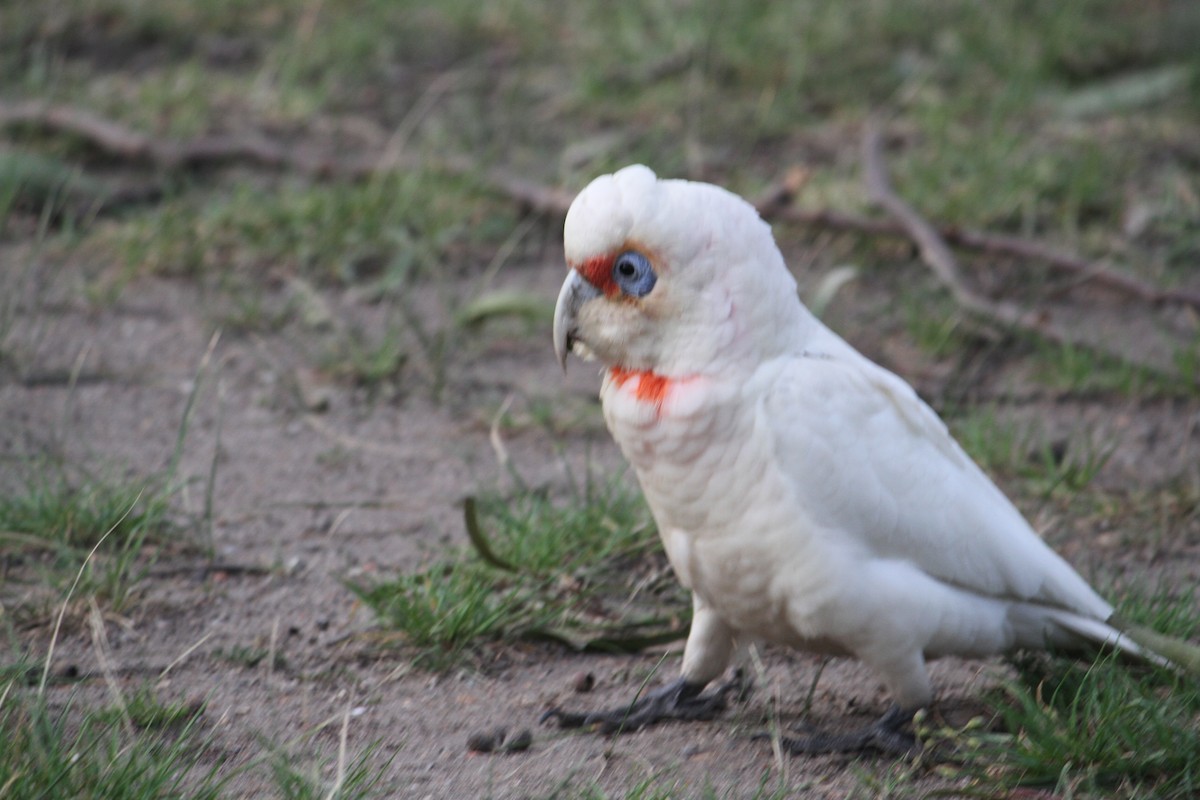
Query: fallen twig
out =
(202, 571)
(994, 243)
(1088, 271)
(934, 250)
(938, 256)
(119, 141)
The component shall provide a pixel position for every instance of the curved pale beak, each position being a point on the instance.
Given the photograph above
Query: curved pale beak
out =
(574, 293)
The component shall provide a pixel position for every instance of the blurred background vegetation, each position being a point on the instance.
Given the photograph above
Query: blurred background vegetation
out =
(1074, 124)
(1076, 121)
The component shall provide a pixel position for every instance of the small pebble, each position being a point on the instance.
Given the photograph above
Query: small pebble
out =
(583, 682)
(486, 741)
(520, 742)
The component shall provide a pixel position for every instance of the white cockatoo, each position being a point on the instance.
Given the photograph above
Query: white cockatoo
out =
(805, 495)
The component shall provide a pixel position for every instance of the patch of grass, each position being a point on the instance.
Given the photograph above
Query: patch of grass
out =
(1172, 611)
(172, 67)
(181, 99)
(1005, 179)
(249, 657)
(146, 711)
(663, 787)
(1187, 362)
(351, 780)
(381, 231)
(1071, 467)
(50, 525)
(996, 444)
(1106, 728)
(444, 611)
(241, 304)
(580, 573)
(373, 363)
(87, 534)
(735, 76)
(69, 753)
(1069, 368)
(933, 324)
(28, 185)
(58, 513)
(887, 782)
(1009, 449)
(541, 536)
(392, 238)
(144, 748)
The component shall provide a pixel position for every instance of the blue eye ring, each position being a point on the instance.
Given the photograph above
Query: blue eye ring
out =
(633, 274)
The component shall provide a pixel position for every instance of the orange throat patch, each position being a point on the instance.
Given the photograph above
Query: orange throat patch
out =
(651, 387)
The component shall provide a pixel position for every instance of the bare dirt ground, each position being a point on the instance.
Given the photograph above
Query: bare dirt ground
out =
(305, 501)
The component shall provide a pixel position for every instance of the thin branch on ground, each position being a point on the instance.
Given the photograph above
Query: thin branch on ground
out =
(118, 141)
(121, 142)
(1087, 271)
(934, 250)
(999, 244)
(940, 259)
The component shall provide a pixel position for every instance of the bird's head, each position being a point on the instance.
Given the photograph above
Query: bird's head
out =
(671, 277)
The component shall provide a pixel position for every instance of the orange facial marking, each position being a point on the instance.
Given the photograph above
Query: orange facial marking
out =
(597, 271)
(651, 387)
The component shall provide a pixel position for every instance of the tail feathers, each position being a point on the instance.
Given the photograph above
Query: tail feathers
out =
(1137, 640)
(1176, 652)
(1112, 635)
(1037, 625)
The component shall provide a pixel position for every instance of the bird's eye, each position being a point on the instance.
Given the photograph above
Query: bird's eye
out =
(633, 274)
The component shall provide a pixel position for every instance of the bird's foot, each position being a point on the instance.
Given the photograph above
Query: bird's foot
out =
(677, 700)
(888, 735)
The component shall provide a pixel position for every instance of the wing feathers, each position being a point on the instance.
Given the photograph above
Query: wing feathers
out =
(876, 465)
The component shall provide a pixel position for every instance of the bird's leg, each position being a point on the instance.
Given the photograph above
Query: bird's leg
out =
(676, 700)
(887, 735)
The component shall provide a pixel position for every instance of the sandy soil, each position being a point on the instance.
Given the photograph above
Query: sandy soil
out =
(372, 486)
